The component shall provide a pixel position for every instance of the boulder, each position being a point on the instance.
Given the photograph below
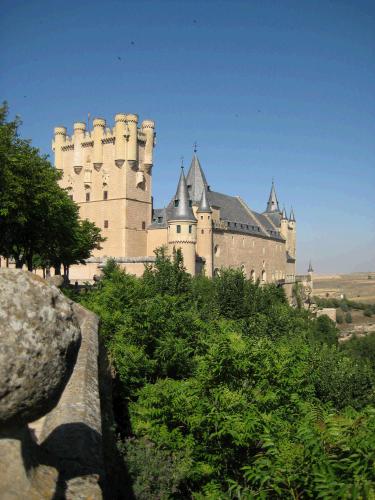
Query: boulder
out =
(39, 342)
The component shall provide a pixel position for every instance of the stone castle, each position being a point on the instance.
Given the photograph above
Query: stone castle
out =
(108, 173)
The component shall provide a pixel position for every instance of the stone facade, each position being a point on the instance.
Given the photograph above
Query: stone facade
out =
(108, 172)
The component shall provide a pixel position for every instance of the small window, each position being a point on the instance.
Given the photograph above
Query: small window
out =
(228, 224)
(87, 196)
(190, 229)
(190, 203)
(209, 217)
(178, 228)
(105, 195)
(176, 203)
(189, 186)
(143, 225)
(160, 220)
(202, 231)
(201, 217)
(106, 224)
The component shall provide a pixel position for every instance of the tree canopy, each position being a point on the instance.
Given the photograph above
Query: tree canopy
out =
(39, 223)
(225, 391)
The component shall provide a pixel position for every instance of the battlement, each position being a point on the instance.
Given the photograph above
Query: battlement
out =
(126, 136)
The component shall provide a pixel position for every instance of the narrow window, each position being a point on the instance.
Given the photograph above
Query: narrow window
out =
(160, 220)
(87, 196)
(209, 217)
(143, 225)
(202, 231)
(105, 195)
(106, 224)
(178, 228)
(190, 229)
(190, 203)
(176, 203)
(201, 217)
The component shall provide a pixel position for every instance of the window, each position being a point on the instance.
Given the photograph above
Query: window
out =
(87, 196)
(209, 217)
(178, 228)
(105, 195)
(190, 229)
(176, 202)
(143, 225)
(160, 220)
(202, 231)
(201, 217)
(106, 224)
(190, 203)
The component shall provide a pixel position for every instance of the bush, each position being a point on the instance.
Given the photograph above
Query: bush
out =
(348, 318)
(339, 317)
(367, 312)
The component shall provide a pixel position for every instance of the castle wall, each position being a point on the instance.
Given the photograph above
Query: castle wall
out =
(155, 239)
(250, 253)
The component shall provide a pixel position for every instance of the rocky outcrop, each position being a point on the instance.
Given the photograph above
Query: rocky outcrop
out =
(58, 455)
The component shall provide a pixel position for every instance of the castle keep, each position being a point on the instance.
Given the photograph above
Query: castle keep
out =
(108, 172)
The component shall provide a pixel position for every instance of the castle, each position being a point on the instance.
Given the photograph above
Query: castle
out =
(108, 173)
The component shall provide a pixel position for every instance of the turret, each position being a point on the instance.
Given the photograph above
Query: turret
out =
(284, 229)
(204, 233)
(98, 133)
(59, 141)
(292, 233)
(182, 226)
(79, 129)
(131, 121)
(272, 204)
(148, 127)
(120, 140)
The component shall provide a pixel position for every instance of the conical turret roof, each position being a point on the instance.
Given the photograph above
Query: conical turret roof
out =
(291, 217)
(196, 180)
(273, 204)
(310, 269)
(283, 215)
(204, 206)
(181, 209)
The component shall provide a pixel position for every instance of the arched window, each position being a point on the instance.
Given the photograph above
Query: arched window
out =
(264, 276)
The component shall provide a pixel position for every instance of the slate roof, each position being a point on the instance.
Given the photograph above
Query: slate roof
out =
(234, 212)
(181, 208)
(273, 203)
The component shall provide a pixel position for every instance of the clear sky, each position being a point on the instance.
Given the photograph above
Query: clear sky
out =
(268, 88)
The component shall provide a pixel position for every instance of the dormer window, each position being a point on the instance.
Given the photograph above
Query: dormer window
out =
(176, 203)
(160, 220)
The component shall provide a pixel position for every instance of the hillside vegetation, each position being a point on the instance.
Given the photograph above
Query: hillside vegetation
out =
(224, 391)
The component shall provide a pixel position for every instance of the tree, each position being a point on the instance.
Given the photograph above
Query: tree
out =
(39, 223)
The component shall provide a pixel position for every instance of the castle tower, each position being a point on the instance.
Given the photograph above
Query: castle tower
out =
(292, 234)
(284, 229)
(204, 233)
(272, 204)
(182, 226)
(107, 172)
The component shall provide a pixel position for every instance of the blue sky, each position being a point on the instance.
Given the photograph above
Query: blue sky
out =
(282, 89)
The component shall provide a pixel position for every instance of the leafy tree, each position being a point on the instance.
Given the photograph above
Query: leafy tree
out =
(39, 223)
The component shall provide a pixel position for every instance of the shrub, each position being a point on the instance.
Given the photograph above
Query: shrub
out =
(348, 318)
(339, 317)
(367, 312)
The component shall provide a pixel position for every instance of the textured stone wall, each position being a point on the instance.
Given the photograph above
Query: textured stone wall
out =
(71, 433)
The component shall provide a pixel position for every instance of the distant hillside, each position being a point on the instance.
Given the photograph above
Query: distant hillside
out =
(355, 286)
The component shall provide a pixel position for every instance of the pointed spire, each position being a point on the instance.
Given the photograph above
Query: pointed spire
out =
(283, 215)
(181, 208)
(273, 204)
(310, 269)
(292, 217)
(196, 180)
(204, 206)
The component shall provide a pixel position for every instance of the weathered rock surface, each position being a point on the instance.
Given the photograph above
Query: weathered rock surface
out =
(39, 341)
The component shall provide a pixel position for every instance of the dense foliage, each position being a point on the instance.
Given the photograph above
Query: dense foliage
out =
(224, 391)
(39, 223)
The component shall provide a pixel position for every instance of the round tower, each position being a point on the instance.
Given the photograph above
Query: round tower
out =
(132, 121)
(292, 234)
(148, 127)
(59, 141)
(98, 133)
(79, 129)
(284, 230)
(120, 132)
(182, 226)
(204, 233)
